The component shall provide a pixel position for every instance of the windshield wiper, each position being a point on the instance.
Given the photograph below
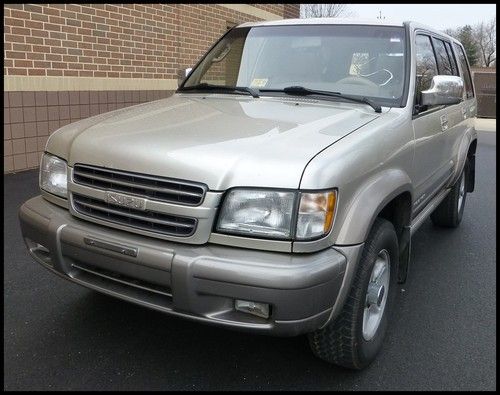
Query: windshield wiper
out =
(302, 91)
(225, 88)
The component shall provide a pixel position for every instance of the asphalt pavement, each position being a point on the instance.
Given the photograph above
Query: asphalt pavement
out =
(60, 336)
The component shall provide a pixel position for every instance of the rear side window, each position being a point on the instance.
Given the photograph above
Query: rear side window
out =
(443, 61)
(426, 63)
(453, 61)
(465, 70)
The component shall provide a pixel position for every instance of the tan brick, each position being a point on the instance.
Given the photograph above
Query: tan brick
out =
(32, 160)
(31, 144)
(17, 130)
(41, 141)
(7, 147)
(18, 146)
(30, 129)
(8, 163)
(20, 162)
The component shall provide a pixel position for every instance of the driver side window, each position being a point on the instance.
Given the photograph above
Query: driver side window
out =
(426, 64)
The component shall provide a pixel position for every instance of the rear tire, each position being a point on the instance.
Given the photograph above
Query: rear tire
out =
(352, 340)
(450, 211)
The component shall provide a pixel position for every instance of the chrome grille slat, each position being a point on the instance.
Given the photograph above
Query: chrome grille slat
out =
(136, 185)
(117, 212)
(150, 221)
(150, 187)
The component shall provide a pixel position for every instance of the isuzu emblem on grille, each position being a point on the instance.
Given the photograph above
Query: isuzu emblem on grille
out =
(125, 201)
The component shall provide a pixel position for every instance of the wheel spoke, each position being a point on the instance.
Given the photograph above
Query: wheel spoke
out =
(376, 295)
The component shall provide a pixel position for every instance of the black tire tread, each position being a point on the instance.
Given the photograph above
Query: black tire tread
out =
(336, 343)
(446, 214)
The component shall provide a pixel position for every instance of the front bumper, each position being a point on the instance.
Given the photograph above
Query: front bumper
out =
(195, 282)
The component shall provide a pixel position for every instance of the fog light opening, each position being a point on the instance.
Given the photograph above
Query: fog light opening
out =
(254, 308)
(39, 250)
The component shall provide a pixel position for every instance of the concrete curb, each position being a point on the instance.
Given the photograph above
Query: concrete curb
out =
(486, 124)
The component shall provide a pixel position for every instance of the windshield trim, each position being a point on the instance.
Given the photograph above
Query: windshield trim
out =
(204, 56)
(385, 102)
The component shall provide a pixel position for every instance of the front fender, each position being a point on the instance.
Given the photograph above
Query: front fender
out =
(370, 198)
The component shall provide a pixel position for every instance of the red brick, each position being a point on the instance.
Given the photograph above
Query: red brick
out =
(16, 55)
(14, 71)
(19, 14)
(23, 63)
(36, 71)
(14, 38)
(114, 40)
(20, 30)
(13, 22)
(55, 73)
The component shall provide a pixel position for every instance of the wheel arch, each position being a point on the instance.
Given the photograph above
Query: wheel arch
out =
(388, 196)
(371, 199)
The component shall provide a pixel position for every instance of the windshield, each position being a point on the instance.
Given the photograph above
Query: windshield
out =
(364, 61)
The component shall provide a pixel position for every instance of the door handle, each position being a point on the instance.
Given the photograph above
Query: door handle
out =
(444, 122)
(464, 112)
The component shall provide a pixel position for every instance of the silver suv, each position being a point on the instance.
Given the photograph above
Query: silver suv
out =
(277, 190)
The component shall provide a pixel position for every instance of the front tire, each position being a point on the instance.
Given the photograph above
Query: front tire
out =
(355, 337)
(450, 211)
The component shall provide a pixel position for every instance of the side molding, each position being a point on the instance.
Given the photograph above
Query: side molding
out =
(404, 255)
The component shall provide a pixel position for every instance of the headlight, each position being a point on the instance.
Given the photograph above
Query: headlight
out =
(258, 213)
(54, 175)
(273, 214)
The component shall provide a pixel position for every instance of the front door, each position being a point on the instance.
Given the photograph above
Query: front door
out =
(432, 125)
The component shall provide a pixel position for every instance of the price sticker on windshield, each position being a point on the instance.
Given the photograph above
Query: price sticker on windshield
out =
(259, 82)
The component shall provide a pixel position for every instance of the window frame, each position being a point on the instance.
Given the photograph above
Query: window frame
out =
(434, 40)
(451, 43)
(452, 57)
(461, 48)
(417, 109)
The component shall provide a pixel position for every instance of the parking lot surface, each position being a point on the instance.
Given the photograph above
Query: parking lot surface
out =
(60, 336)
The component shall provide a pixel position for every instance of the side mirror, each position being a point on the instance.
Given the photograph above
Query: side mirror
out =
(445, 89)
(182, 75)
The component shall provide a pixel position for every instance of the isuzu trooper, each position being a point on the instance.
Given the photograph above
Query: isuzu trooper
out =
(277, 190)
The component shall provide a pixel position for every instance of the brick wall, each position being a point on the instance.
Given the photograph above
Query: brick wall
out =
(120, 46)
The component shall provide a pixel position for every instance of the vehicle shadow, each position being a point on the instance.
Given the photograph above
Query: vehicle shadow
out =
(157, 347)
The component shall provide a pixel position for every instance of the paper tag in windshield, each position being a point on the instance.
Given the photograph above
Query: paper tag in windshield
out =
(395, 40)
(259, 82)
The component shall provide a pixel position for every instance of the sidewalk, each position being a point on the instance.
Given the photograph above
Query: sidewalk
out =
(486, 124)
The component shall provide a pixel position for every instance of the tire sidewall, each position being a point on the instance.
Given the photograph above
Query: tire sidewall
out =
(367, 350)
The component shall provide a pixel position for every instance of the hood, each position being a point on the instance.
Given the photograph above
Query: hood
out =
(219, 140)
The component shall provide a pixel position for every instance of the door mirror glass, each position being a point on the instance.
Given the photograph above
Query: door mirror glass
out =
(444, 89)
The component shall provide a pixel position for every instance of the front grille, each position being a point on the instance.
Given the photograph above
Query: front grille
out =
(145, 220)
(156, 188)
